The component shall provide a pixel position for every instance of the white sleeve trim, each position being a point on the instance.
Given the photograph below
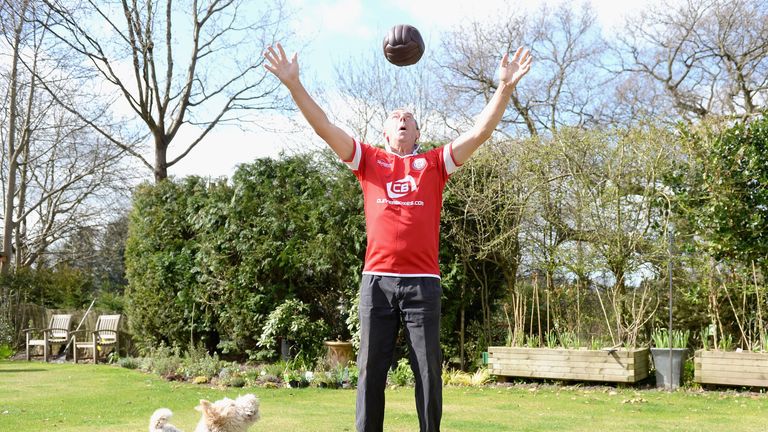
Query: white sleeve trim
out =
(354, 164)
(450, 164)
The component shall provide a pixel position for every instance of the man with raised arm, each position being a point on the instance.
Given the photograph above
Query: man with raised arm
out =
(403, 194)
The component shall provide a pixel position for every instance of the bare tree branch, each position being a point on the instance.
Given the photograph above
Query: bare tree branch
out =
(166, 94)
(708, 58)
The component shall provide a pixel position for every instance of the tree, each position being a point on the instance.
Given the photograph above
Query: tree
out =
(57, 175)
(616, 207)
(13, 151)
(296, 230)
(180, 70)
(563, 88)
(485, 204)
(719, 205)
(99, 252)
(704, 57)
(720, 189)
(160, 262)
(210, 261)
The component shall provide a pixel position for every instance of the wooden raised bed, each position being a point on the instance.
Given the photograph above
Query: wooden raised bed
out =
(731, 368)
(610, 365)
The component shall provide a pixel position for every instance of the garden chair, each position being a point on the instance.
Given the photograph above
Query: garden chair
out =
(56, 333)
(106, 334)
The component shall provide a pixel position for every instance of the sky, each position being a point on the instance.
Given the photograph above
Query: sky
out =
(330, 31)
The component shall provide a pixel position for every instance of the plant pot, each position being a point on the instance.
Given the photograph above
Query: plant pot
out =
(667, 377)
(296, 383)
(339, 352)
(286, 349)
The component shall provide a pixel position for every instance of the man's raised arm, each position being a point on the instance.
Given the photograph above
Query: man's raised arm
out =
(510, 72)
(288, 73)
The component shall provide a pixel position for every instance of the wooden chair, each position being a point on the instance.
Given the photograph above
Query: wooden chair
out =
(57, 333)
(105, 334)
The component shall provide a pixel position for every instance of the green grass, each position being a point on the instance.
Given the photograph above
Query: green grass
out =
(65, 397)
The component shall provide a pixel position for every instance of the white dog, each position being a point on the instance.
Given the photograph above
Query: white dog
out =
(225, 415)
(159, 421)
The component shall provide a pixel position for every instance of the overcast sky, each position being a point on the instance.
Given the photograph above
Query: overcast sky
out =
(335, 30)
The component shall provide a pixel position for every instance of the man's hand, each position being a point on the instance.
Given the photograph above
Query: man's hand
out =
(286, 71)
(510, 71)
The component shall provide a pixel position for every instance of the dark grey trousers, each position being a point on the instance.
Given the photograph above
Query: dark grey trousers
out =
(385, 301)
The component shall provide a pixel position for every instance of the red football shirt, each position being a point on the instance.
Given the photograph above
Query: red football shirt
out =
(403, 196)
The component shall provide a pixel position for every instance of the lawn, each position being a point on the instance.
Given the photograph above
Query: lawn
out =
(65, 397)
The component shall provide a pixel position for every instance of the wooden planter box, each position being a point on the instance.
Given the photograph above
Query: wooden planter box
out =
(619, 365)
(731, 368)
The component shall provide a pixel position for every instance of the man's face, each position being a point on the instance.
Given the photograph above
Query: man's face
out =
(401, 131)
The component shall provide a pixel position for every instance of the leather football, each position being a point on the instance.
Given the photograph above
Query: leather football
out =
(403, 45)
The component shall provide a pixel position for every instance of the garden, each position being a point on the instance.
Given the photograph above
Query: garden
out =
(210, 305)
(104, 398)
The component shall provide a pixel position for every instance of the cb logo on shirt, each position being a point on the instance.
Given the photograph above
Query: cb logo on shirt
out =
(401, 188)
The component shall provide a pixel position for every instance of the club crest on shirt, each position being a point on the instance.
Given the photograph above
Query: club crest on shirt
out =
(419, 164)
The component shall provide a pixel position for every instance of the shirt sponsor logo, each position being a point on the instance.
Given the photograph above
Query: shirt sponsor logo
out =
(384, 163)
(401, 188)
(400, 203)
(419, 164)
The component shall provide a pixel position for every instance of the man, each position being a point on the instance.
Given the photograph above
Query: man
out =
(402, 192)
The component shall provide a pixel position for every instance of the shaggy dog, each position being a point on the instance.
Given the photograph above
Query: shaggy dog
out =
(225, 415)
(159, 421)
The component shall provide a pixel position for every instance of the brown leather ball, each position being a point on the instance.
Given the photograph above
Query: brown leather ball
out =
(403, 45)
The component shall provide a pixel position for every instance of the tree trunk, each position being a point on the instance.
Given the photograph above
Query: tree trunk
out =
(20, 225)
(461, 335)
(8, 224)
(161, 159)
(13, 154)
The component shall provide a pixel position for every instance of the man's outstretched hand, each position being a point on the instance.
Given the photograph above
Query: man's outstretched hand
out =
(286, 71)
(510, 71)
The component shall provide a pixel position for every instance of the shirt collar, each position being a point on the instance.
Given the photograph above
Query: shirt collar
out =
(389, 149)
